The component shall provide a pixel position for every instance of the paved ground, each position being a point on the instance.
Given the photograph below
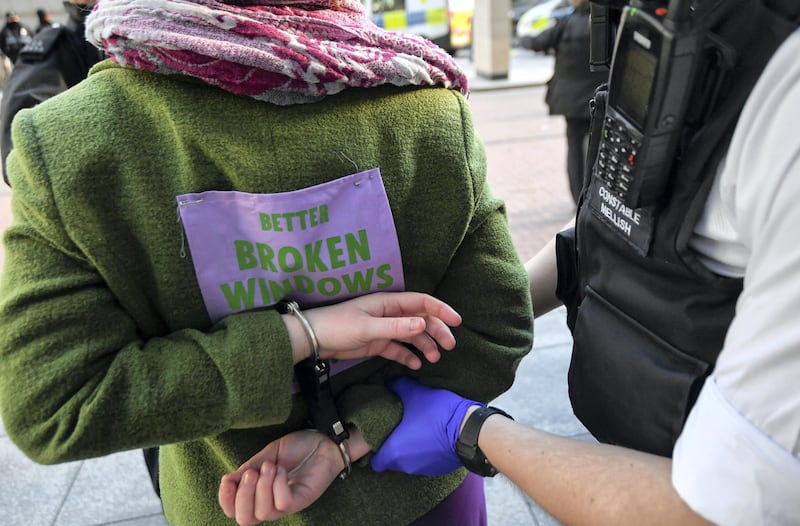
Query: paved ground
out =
(526, 153)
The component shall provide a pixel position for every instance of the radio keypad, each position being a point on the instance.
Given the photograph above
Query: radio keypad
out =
(617, 156)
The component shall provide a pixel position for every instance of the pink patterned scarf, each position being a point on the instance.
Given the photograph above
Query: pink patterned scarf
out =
(283, 52)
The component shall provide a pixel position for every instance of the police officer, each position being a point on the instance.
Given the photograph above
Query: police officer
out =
(45, 19)
(572, 84)
(14, 36)
(686, 348)
(57, 58)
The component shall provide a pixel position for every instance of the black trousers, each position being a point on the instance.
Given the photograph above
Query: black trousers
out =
(151, 461)
(577, 144)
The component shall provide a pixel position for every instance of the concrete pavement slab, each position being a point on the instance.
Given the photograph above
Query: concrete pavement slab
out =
(526, 69)
(538, 398)
(32, 493)
(119, 490)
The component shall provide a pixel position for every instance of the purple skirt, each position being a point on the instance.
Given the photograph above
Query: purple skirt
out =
(466, 506)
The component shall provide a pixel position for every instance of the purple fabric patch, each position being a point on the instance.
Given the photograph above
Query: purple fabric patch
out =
(466, 506)
(321, 244)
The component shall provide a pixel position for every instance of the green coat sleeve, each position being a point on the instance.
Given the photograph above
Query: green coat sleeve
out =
(78, 375)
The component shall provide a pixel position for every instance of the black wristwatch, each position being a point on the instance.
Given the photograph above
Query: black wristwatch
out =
(467, 445)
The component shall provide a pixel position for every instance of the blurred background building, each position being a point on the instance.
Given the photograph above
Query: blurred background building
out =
(446, 22)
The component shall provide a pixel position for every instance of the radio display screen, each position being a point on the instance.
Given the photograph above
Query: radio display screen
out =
(631, 93)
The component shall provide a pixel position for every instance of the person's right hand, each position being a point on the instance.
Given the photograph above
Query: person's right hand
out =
(378, 324)
(287, 476)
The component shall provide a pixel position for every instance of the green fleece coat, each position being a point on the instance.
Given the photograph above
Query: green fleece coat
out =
(106, 344)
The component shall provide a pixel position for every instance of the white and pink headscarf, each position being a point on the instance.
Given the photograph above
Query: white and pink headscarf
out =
(280, 51)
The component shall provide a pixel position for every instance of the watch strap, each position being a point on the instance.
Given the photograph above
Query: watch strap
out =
(467, 444)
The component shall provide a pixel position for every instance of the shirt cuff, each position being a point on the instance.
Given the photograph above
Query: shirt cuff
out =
(731, 472)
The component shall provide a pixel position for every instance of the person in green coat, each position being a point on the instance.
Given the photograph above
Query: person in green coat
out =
(228, 158)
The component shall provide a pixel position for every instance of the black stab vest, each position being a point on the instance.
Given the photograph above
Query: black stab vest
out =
(648, 319)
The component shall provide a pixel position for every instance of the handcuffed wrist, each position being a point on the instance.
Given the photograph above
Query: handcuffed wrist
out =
(348, 464)
(292, 307)
(314, 376)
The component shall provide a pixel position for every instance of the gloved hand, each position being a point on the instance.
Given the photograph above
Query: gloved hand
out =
(425, 441)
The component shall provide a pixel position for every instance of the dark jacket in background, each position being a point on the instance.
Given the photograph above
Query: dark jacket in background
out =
(57, 58)
(571, 87)
(13, 37)
(572, 84)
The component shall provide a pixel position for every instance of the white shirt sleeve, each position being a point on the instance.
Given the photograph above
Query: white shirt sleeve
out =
(731, 472)
(738, 458)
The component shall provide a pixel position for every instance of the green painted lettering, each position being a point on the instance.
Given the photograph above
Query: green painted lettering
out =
(285, 254)
(314, 262)
(303, 284)
(360, 246)
(280, 289)
(335, 252)
(386, 278)
(262, 286)
(288, 221)
(302, 214)
(329, 286)
(240, 298)
(276, 224)
(265, 256)
(287, 217)
(266, 224)
(358, 282)
(244, 254)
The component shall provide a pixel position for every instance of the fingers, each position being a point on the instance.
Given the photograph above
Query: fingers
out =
(245, 497)
(282, 490)
(255, 497)
(397, 352)
(258, 496)
(385, 337)
(412, 303)
(367, 325)
(227, 496)
(428, 348)
(439, 333)
(412, 331)
(418, 319)
(265, 508)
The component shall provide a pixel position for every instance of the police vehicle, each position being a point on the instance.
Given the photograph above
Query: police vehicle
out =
(540, 17)
(448, 23)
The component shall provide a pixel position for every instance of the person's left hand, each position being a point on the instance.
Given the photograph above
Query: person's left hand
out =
(283, 478)
(425, 441)
(379, 324)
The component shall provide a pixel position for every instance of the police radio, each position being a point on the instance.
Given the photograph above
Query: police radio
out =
(655, 58)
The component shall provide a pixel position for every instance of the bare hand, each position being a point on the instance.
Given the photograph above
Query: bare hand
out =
(376, 324)
(283, 478)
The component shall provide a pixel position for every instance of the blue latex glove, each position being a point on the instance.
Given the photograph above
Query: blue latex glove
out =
(425, 441)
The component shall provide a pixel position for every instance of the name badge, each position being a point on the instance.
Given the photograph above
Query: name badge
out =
(325, 243)
(634, 225)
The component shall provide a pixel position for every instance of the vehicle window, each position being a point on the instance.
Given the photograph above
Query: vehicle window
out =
(381, 6)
